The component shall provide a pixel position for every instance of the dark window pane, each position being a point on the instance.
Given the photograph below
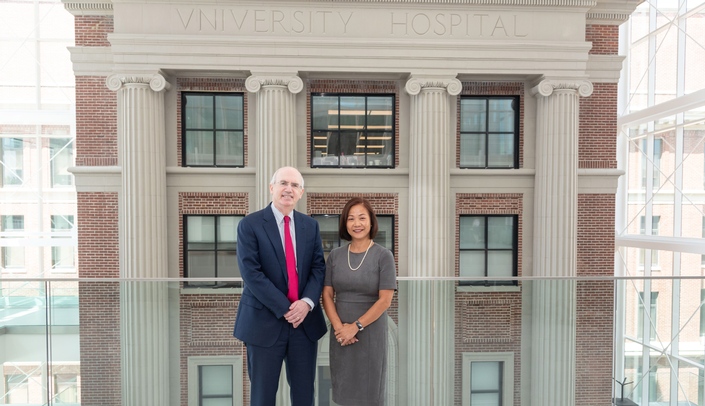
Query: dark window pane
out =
(229, 148)
(501, 150)
(325, 112)
(472, 150)
(199, 111)
(229, 112)
(199, 148)
(473, 115)
(501, 115)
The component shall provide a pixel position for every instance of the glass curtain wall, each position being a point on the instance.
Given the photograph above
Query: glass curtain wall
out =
(661, 204)
(37, 205)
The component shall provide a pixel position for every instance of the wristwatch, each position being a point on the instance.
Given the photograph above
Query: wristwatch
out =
(359, 325)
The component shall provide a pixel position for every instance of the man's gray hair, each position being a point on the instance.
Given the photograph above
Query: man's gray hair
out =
(274, 177)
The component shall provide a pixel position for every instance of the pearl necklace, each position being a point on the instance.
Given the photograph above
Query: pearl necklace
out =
(363, 258)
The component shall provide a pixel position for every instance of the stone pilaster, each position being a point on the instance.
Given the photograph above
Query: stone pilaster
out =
(430, 303)
(275, 127)
(555, 246)
(143, 240)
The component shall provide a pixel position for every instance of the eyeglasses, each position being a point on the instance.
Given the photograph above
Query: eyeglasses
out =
(284, 183)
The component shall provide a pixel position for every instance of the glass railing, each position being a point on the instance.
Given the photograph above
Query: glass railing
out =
(586, 341)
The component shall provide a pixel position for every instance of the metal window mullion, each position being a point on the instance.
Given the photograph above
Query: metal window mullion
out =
(215, 152)
(487, 135)
(215, 245)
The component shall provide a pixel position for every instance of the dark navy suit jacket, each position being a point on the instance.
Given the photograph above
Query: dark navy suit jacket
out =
(260, 255)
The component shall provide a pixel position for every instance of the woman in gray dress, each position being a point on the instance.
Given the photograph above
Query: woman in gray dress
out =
(359, 284)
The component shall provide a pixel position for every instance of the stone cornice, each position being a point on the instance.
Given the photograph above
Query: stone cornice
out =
(416, 84)
(83, 8)
(255, 82)
(156, 82)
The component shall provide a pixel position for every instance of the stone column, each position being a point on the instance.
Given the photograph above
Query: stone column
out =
(143, 240)
(555, 235)
(430, 304)
(275, 127)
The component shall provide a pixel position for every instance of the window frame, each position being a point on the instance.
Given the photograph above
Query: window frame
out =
(515, 251)
(6, 172)
(64, 235)
(366, 165)
(516, 101)
(214, 130)
(53, 155)
(641, 316)
(185, 242)
(641, 260)
(11, 233)
(507, 377)
(194, 377)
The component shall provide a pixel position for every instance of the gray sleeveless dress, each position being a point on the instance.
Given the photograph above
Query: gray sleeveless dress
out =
(359, 371)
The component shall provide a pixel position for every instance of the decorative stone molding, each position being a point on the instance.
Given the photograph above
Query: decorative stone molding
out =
(547, 87)
(83, 8)
(415, 85)
(547, 3)
(255, 82)
(607, 18)
(156, 82)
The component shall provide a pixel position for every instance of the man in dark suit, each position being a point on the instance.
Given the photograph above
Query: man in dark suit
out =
(279, 318)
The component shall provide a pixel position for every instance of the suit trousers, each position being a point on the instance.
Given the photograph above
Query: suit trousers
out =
(264, 365)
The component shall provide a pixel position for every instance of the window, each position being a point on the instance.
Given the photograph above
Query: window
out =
(16, 389)
(649, 318)
(215, 381)
(488, 379)
(11, 157)
(12, 255)
(66, 388)
(62, 256)
(352, 131)
(489, 132)
(654, 161)
(61, 150)
(211, 248)
(642, 252)
(213, 129)
(329, 231)
(488, 248)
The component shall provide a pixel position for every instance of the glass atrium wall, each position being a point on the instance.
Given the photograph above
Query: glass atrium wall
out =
(661, 203)
(39, 343)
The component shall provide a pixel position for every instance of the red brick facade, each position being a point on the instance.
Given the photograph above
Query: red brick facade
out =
(99, 312)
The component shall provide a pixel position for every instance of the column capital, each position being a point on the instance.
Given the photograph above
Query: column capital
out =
(450, 84)
(255, 82)
(546, 87)
(157, 82)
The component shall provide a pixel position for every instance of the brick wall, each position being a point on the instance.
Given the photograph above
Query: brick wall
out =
(208, 85)
(595, 300)
(351, 87)
(99, 312)
(597, 142)
(92, 31)
(604, 38)
(96, 122)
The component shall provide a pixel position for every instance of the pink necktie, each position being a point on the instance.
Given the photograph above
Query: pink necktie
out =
(293, 294)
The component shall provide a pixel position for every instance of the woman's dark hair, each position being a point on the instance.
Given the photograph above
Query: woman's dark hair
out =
(343, 225)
